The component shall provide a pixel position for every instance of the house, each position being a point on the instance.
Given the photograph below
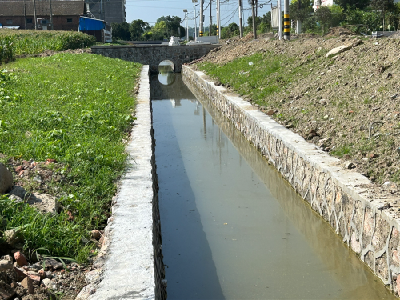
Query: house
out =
(111, 11)
(318, 3)
(65, 14)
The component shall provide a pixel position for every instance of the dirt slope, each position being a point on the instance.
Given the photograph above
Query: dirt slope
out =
(348, 104)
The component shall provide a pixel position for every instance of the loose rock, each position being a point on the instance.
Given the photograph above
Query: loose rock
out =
(6, 179)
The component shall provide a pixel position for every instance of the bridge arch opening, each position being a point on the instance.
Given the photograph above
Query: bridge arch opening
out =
(166, 75)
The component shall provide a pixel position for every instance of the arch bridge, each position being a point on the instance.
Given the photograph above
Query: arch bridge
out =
(154, 54)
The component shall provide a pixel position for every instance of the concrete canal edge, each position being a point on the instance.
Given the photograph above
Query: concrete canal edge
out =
(340, 196)
(130, 265)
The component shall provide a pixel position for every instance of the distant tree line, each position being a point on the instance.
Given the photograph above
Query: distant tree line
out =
(138, 30)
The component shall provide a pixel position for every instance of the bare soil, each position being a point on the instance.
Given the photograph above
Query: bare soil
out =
(348, 104)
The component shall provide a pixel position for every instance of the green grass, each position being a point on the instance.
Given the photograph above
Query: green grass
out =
(76, 109)
(257, 76)
(34, 42)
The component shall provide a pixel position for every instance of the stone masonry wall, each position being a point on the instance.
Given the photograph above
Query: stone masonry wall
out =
(152, 55)
(342, 197)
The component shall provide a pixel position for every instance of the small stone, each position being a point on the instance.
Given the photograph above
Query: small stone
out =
(6, 179)
(52, 263)
(34, 277)
(323, 102)
(46, 282)
(42, 274)
(20, 259)
(270, 112)
(15, 198)
(27, 284)
(21, 274)
(389, 186)
(50, 160)
(38, 179)
(18, 191)
(349, 165)
(95, 234)
(5, 265)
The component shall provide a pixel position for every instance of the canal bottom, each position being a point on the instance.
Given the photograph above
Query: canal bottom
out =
(232, 228)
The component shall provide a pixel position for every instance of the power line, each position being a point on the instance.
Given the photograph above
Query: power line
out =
(232, 15)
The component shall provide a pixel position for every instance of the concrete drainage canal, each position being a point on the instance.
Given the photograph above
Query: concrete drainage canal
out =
(232, 228)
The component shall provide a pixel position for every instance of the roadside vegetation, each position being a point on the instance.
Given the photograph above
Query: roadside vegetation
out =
(71, 115)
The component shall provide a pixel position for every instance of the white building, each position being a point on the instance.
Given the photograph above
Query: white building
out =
(323, 3)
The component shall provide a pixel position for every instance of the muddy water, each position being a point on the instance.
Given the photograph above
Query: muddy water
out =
(232, 227)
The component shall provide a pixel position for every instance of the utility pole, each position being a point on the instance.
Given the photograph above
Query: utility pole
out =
(210, 30)
(240, 20)
(51, 17)
(219, 18)
(254, 19)
(280, 19)
(286, 21)
(34, 13)
(298, 23)
(201, 18)
(195, 21)
(25, 13)
(187, 29)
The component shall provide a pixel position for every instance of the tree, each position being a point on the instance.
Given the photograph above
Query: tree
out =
(384, 6)
(173, 25)
(137, 28)
(258, 21)
(265, 25)
(337, 15)
(254, 3)
(230, 31)
(300, 10)
(324, 15)
(120, 31)
(352, 4)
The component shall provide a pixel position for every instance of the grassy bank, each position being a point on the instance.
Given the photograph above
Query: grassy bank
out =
(20, 42)
(76, 110)
(346, 104)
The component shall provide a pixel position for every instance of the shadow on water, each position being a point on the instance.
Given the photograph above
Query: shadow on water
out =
(357, 280)
(190, 269)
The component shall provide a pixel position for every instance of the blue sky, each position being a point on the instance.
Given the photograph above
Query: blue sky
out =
(150, 10)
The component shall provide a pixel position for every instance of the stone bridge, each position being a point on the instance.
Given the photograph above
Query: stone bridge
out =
(153, 55)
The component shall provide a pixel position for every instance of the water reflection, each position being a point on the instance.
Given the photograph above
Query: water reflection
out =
(355, 279)
(166, 75)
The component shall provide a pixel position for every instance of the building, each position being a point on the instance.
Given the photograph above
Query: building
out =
(111, 11)
(318, 3)
(65, 14)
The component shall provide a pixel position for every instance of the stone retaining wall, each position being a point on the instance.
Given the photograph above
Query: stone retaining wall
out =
(342, 197)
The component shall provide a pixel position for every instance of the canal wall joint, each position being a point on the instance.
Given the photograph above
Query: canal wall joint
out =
(342, 197)
(129, 265)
